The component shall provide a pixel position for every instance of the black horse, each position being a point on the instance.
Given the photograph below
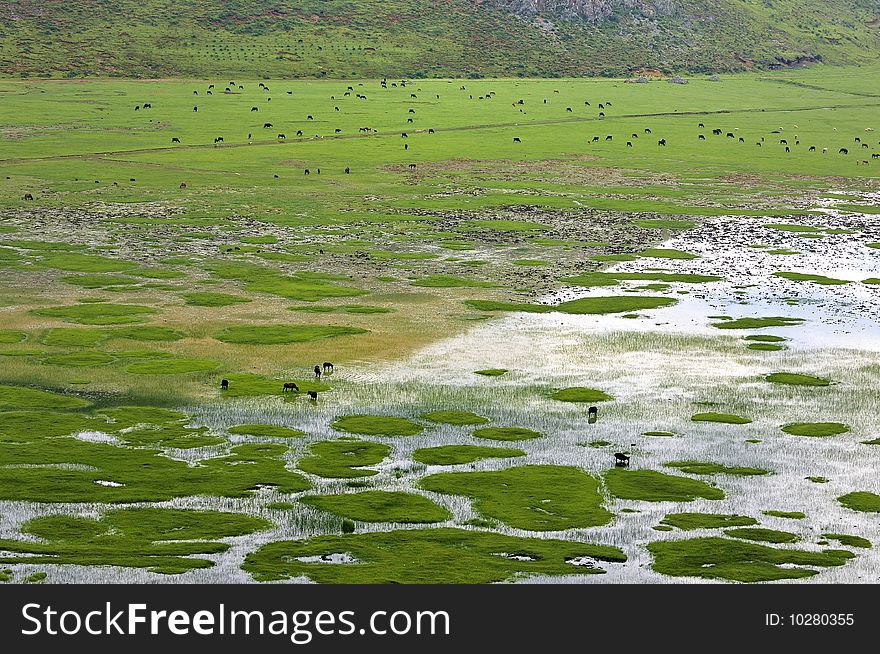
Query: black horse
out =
(224, 384)
(289, 386)
(317, 372)
(328, 367)
(621, 459)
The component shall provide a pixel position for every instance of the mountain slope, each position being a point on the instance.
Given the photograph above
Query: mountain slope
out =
(360, 38)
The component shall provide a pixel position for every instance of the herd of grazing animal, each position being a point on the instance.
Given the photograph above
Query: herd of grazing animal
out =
(788, 145)
(291, 387)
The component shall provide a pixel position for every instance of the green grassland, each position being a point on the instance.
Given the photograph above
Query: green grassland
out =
(143, 272)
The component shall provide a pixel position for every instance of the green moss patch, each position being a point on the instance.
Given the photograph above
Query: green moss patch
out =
(506, 433)
(727, 418)
(861, 501)
(581, 394)
(667, 253)
(11, 336)
(815, 429)
(343, 459)
(848, 540)
(540, 498)
(305, 287)
(450, 281)
(377, 425)
(664, 223)
(87, 263)
(791, 515)
(380, 506)
(37, 468)
(766, 347)
(206, 299)
(588, 305)
(266, 431)
(89, 337)
(815, 279)
(691, 521)
(705, 468)
(78, 359)
(166, 541)
(763, 535)
(491, 372)
(454, 417)
(449, 455)
(652, 486)
(759, 323)
(425, 556)
(20, 397)
(724, 558)
(98, 313)
(172, 366)
(796, 379)
(283, 334)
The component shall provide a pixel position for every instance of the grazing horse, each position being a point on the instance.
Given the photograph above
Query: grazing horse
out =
(430, 131)
(313, 395)
(621, 459)
(328, 367)
(843, 151)
(195, 108)
(267, 125)
(183, 185)
(347, 170)
(299, 132)
(289, 386)
(647, 130)
(593, 412)
(28, 196)
(412, 166)
(255, 108)
(702, 137)
(224, 384)
(306, 171)
(317, 372)
(175, 140)
(516, 139)
(629, 144)
(608, 138)
(282, 136)
(662, 142)
(568, 109)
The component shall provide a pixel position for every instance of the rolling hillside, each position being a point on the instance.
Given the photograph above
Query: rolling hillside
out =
(422, 38)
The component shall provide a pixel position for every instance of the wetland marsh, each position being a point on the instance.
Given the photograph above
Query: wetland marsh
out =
(715, 301)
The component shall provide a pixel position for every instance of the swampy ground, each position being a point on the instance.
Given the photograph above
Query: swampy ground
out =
(481, 261)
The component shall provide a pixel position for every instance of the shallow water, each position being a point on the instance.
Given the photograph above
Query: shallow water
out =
(656, 366)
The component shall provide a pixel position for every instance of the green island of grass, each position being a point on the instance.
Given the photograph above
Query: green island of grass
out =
(736, 560)
(377, 425)
(380, 506)
(652, 486)
(536, 497)
(164, 541)
(692, 521)
(454, 417)
(422, 556)
(815, 429)
(343, 459)
(449, 455)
